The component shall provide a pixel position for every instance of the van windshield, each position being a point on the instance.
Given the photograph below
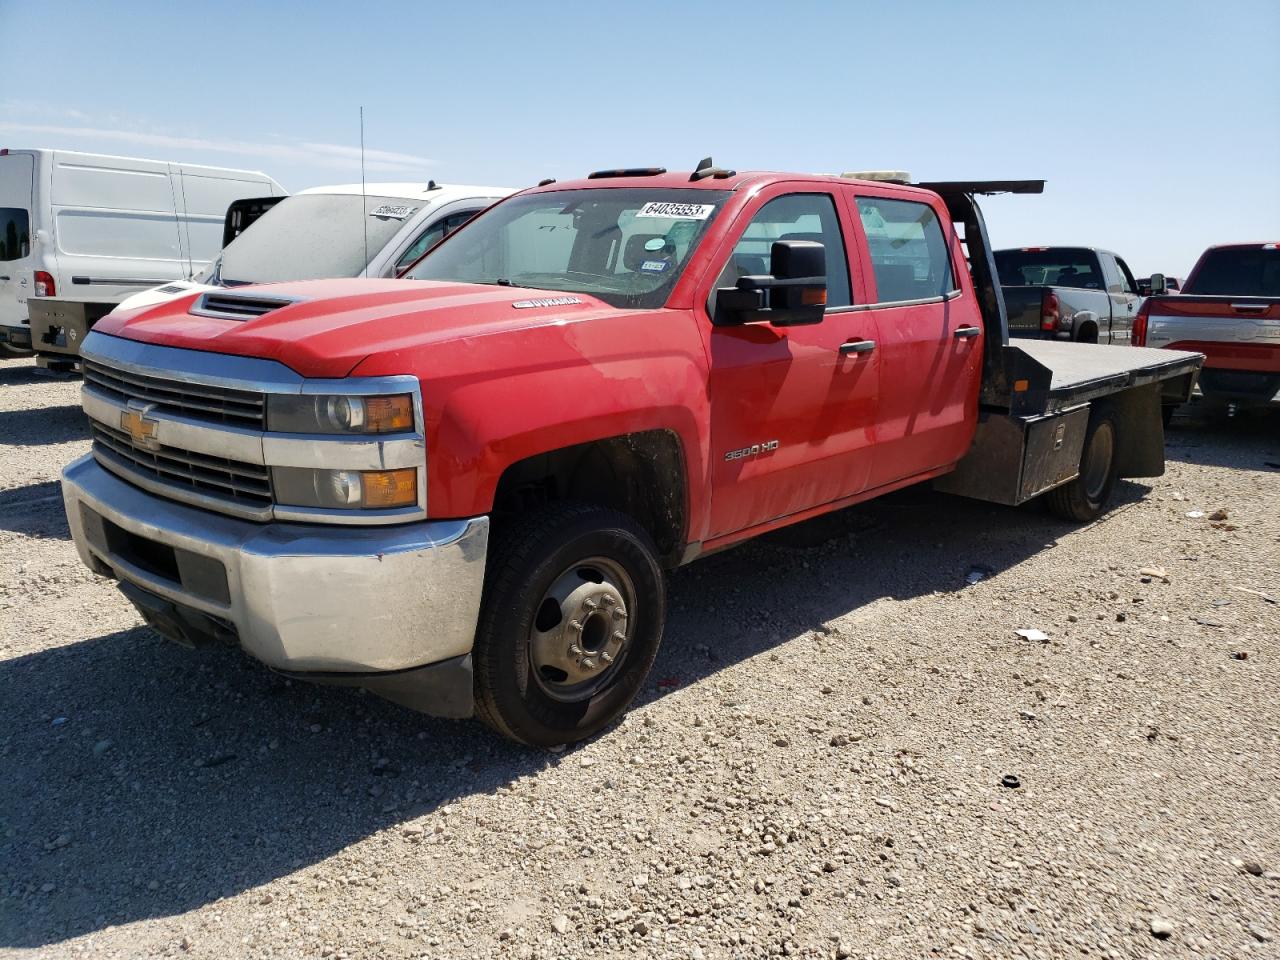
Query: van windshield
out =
(314, 236)
(626, 246)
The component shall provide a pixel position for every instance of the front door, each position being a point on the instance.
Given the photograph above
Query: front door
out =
(1124, 300)
(792, 408)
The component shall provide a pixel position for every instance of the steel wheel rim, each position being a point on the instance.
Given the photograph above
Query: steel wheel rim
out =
(1101, 451)
(582, 630)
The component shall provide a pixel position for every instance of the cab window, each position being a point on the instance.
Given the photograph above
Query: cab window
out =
(908, 250)
(797, 216)
(433, 235)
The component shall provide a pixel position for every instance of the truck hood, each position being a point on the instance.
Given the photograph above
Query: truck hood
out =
(324, 328)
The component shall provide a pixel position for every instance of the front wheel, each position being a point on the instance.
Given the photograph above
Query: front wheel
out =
(575, 602)
(1085, 497)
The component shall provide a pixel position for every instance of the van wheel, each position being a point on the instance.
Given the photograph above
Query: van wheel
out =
(1084, 498)
(575, 602)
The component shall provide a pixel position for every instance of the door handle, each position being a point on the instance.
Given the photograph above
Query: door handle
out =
(857, 346)
(964, 333)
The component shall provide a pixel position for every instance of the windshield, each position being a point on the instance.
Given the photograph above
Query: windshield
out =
(1238, 272)
(626, 246)
(314, 236)
(1054, 267)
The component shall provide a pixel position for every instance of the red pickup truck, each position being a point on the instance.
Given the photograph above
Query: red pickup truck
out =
(463, 490)
(1229, 310)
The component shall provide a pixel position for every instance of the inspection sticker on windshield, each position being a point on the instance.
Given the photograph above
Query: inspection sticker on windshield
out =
(676, 211)
(654, 266)
(546, 302)
(395, 211)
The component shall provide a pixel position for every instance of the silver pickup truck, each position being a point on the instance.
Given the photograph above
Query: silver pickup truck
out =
(1068, 293)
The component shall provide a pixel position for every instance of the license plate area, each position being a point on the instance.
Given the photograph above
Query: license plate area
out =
(184, 570)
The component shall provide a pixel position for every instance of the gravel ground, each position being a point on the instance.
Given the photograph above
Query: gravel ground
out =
(816, 770)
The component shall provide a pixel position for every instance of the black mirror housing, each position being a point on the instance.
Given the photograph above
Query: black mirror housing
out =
(1159, 284)
(796, 291)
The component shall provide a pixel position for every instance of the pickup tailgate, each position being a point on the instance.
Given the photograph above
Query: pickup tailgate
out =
(1024, 307)
(1239, 336)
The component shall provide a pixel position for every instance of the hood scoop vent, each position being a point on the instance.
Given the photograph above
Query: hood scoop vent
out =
(231, 306)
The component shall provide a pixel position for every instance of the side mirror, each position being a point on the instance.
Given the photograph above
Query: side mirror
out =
(1159, 284)
(793, 295)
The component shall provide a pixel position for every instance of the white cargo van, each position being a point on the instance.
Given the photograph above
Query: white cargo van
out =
(80, 232)
(348, 230)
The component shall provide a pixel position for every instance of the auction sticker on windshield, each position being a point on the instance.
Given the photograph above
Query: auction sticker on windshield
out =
(396, 211)
(676, 211)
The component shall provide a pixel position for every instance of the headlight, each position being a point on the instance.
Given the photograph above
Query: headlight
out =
(345, 489)
(324, 413)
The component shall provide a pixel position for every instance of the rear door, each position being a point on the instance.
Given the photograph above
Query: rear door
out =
(1123, 293)
(792, 408)
(930, 337)
(17, 191)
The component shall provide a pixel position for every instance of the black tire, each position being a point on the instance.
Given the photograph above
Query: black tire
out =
(1085, 497)
(541, 566)
(1166, 412)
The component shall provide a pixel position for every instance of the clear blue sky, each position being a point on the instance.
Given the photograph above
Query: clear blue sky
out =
(1157, 124)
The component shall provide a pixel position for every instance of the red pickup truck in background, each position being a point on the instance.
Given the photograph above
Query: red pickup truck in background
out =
(463, 490)
(1229, 310)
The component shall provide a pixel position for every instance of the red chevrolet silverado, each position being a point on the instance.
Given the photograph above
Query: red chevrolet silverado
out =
(462, 490)
(1229, 310)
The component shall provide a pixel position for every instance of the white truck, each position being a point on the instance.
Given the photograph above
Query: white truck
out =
(349, 230)
(79, 232)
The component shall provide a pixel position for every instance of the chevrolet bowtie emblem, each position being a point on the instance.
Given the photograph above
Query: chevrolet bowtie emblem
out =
(142, 428)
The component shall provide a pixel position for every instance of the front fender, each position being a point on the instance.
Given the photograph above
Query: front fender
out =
(494, 399)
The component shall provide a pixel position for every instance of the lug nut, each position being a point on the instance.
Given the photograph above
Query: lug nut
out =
(606, 656)
(588, 604)
(575, 625)
(609, 601)
(619, 635)
(588, 664)
(575, 650)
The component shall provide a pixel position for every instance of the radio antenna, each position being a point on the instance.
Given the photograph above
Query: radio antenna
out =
(364, 200)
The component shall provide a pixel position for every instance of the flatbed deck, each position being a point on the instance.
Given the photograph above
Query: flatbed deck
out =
(1059, 374)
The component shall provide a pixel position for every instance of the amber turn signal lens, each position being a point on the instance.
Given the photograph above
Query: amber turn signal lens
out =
(388, 414)
(813, 296)
(389, 488)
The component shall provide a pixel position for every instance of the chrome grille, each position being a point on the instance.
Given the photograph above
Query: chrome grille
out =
(240, 487)
(221, 405)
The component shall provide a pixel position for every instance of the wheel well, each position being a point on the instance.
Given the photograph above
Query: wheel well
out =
(1088, 332)
(640, 474)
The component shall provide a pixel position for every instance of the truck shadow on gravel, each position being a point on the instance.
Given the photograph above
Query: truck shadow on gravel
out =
(43, 425)
(35, 510)
(1208, 437)
(142, 780)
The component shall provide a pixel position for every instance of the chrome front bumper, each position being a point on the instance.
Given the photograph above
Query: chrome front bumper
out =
(303, 598)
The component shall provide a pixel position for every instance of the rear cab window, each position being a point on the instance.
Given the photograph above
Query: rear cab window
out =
(1050, 267)
(1237, 272)
(910, 256)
